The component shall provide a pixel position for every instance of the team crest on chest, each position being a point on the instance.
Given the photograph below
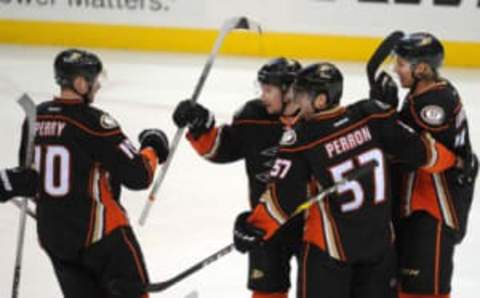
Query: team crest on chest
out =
(289, 137)
(433, 115)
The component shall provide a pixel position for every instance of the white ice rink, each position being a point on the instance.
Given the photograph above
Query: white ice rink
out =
(198, 201)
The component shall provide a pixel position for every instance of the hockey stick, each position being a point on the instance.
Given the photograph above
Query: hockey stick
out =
(31, 113)
(381, 53)
(160, 286)
(227, 27)
(19, 204)
(163, 285)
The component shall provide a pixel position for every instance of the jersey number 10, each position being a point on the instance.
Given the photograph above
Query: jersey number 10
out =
(55, 160)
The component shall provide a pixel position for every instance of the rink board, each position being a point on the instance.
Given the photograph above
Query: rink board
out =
(171, 39)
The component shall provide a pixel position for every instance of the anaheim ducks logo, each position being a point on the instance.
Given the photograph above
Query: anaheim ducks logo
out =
(425, 41)
(257, 274)
(74, 56)
(289, 137)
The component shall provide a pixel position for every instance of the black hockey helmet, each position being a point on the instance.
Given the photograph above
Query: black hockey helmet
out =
(421, 47)
(321, 78)
(74, 62)
(279, 72)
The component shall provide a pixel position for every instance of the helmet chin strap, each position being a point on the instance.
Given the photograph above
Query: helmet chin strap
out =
(87, 98)
(284, 91)
(416, 78)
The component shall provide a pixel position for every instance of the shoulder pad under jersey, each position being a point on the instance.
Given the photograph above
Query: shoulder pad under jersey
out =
(371, 106)
(100, 120)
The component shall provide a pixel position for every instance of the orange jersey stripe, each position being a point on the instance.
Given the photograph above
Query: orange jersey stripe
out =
(256, 122)
(451, 206)
(79, 125)
(424, 196)
(205, 143)
(114, 214)
(438, 240)
(314, 229)
(340, 132)
(151, 161)
(304, 271)
(136, 258)
(445, 159)
(335, 230)
(260, 218)
(88, 240)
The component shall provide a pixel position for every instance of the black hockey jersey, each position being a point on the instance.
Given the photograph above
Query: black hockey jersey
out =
(5, 186)
(355, 223)
(83, 158)
(252, 136)
(439, 111)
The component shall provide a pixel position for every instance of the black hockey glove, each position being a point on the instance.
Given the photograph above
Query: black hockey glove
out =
(246, 236)
(385, 90)
(156, 139)
(199, 119)
(467, 172)
(18, 181)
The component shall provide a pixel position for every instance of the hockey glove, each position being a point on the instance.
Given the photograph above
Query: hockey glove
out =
(18, 182)
(245, 235)
(156, 139)
(467, 172)
(385, 90)
(199, 119)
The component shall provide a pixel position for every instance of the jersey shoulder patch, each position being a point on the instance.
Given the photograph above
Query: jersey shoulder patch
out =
(99, 120)
(433, 115)
(436, 106)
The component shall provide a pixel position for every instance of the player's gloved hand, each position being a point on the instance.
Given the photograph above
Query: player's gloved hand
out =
(18, 181)
(156, 139)
(198, 118)
(385, 90)
(467, 170)
(245, 235)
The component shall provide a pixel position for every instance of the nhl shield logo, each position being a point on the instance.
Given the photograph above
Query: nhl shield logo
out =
(289, 137)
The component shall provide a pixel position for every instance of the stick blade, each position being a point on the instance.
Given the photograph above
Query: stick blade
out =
(381, 53)
(27, 104)
(248, 24)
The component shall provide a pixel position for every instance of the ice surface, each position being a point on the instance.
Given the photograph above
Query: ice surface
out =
(197, 204)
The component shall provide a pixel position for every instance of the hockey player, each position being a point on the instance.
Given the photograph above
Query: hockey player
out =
(252, 136)
(17, 182)
(434, 206)
(83, 159)
(348, 250)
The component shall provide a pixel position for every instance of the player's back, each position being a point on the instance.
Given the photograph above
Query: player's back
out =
(353, 224)
(82, 157)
